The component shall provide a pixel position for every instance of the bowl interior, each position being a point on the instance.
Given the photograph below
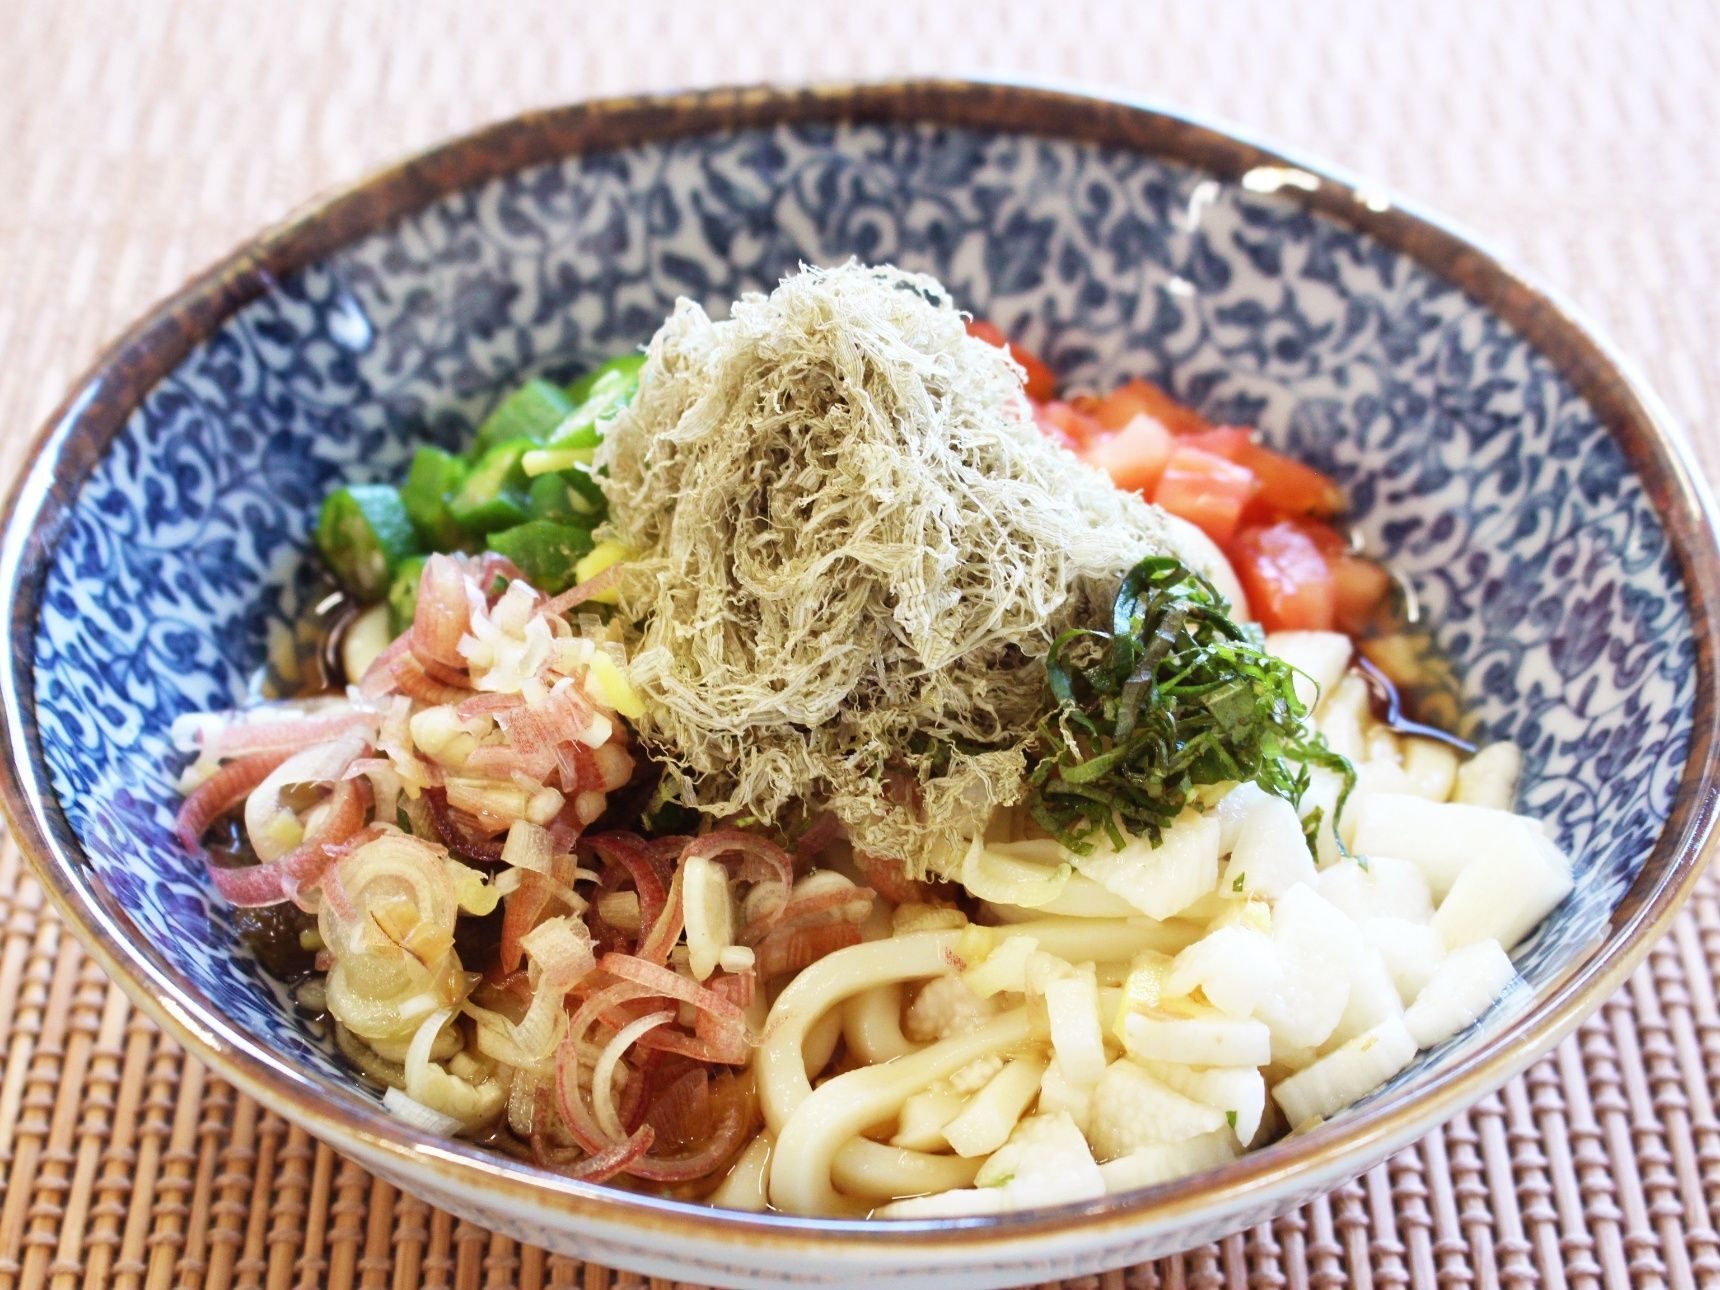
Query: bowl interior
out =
(1475, 468)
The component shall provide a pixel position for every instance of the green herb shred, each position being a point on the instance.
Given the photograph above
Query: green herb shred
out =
(1174, 696)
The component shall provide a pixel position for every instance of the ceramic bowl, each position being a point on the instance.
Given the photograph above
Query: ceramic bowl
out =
(1497, 454)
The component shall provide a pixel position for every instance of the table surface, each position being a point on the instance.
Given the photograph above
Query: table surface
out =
(142, 140)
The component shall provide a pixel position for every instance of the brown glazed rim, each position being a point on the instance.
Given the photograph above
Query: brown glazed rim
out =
(79, 433)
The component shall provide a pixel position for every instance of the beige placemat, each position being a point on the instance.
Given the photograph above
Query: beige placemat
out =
(138, 141)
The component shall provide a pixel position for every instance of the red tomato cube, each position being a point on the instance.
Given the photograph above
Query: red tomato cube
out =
(1135, 456)
(1041, 381)
(1142, 398)
(1289, 583)
(1205, 489)
(1360, 585)
(1067, 426)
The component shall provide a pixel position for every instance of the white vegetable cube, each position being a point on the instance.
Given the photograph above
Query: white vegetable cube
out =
(1341, 717)
(1164, 880)
(965, 1202)
(1167, 1161)
(1320, 659)
(1077, 1036)
(1003, 969)
(1210, 1040)
(1132, 1109)
(1319, 952)
(1047, 1160)
(1490, 777)
(1059, 1096)
(920, 1123)
(1232, 810)
(989, 1117)
(1237, 1091)
(1412, 952)
(1503, 899)
(1463, 988)
(1387, 888)
(1346, 1073)
(1270, 855)
(1430, 768)
(1234, 967)
(1441, 838)
(1324, 789)
(1373, 999)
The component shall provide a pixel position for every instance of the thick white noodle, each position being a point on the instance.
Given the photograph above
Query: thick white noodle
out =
(821, 1041)
(840, 1109)
(877, 1172)
(744, 1187)
(872, 1025)
(780, 1060)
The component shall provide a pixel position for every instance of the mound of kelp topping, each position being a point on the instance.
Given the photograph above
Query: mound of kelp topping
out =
(855, 551)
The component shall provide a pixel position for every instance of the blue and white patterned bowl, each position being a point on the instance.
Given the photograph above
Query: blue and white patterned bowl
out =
(1494, 451)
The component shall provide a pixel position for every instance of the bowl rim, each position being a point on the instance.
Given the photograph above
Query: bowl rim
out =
(76, 436)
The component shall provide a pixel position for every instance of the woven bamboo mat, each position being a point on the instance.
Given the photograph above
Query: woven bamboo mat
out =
(138, 141)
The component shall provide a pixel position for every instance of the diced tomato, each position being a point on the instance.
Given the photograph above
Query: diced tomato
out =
(1205, 489)
(1287, 487)
(1142, 398)
(1135, 456)
(1233, 443)
(1041, 380)
(1327, 539)
(1360, 585)
(1289, 583)
(1069, 427)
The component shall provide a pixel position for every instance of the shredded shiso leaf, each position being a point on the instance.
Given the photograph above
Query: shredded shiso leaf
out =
(1174, 696)
(855, 550)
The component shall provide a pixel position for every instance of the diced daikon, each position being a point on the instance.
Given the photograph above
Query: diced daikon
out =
(1346, 1073)
(1318, 951)
(1271, 854)
(1320, 659)
(1430, 768)
(1237, 1091)
(1489, 778)
(1232, 809)
(1387, 888)
(1077, 1036)
(1058, 1095)
(1214, 1040)
(1465, 986)
(1503, 899)
(1441, 838)
(1164, 880)
(1412, 952)
(1341, 716)
(1167, 1161)
(991, 1114)
(920, 1123)
(1132, 1109)
(1234, 967)
(1373, 999)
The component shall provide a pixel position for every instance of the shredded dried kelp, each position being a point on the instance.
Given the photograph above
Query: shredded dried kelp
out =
(856, 550)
